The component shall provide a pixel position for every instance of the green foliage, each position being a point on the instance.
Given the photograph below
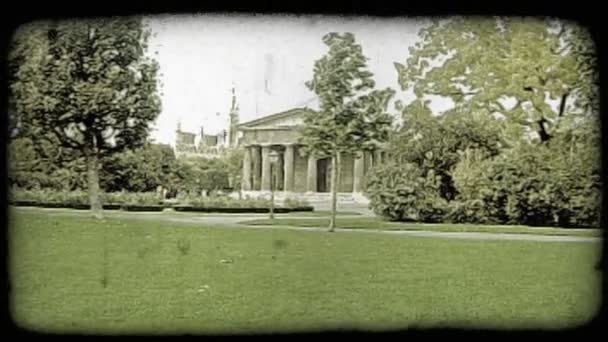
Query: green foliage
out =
(536, 184)
(135, 198)
(295, 203)
(353, 116)
(400, 192)
(194, 175)
(93, 87)
(482, 63)
(232, 164)
(89, 83)
(491, 171)
(437, 142)
(222, 202)
(38, 163)
(50, 196)
(139, 170)
(483, 189)
(80, 197)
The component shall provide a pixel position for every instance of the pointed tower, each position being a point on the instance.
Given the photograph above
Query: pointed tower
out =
(233, 120)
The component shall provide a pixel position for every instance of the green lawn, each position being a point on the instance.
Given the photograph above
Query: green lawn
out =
(321, 213)
(379, 224)
(189, 278)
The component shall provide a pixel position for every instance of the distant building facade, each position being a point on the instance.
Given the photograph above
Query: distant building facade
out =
(202, 145)
(296, 172)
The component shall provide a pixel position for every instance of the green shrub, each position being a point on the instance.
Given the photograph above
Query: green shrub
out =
(49, 196)
(295, 203)
(483, 189)
(112, 198)
(222, 202)
(141, 198)
(19, 194)
(400, 192)
(530, 184)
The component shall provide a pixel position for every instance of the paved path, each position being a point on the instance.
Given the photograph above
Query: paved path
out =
(232, 221)
(452, 235)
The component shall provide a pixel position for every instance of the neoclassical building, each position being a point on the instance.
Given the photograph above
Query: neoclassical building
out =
(296, 172)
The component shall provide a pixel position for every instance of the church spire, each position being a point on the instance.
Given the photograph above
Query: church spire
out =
(233, 118)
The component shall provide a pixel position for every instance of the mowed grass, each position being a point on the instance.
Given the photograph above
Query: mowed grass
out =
(190, 278)
(320, 213)
(377, 223)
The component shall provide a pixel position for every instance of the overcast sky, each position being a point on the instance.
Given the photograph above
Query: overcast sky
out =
(267, 58)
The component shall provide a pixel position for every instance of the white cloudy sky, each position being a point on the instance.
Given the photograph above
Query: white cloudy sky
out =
(267, 58)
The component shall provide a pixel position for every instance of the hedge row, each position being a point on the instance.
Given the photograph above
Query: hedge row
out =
(150, 202)
(278, 210)
(182, 208)
(87, 206)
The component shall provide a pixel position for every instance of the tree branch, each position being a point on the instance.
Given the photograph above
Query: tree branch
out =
(562, 105)
(65, 140)
(544, 136)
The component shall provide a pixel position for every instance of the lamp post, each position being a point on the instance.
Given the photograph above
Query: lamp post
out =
(274, 156)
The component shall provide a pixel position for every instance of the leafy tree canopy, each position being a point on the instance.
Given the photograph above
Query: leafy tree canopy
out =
(539, 74)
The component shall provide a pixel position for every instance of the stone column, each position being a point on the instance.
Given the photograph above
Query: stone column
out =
(246, 181)
(369, 163)
(311, 176)
(257, 169)
(266, 168)
(377, 157)
(288, 168)
(358, 172)
(279, 169)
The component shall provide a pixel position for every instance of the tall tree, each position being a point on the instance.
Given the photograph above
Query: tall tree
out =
(91, 84)
(353, 116)
(539, 74)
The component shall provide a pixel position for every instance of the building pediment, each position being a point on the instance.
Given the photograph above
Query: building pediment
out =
(288, 119)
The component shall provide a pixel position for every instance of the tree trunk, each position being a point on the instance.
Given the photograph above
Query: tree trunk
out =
(93, 179)
(334, 190)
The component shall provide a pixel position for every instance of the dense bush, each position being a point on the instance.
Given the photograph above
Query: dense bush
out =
(70, 198)
(49, 196)
(132, 198)
(43, 165)
(295, 203)
(39, 164)
(221, 202)
(436, 142)
(139, 170)
(529, 184)
(483, 189)
(73, 198)
(399, 191)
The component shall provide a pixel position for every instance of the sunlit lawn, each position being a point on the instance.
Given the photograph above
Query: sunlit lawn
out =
(176, 278)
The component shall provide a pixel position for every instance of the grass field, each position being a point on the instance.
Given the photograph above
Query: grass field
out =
(75, 274)
(378, 224)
